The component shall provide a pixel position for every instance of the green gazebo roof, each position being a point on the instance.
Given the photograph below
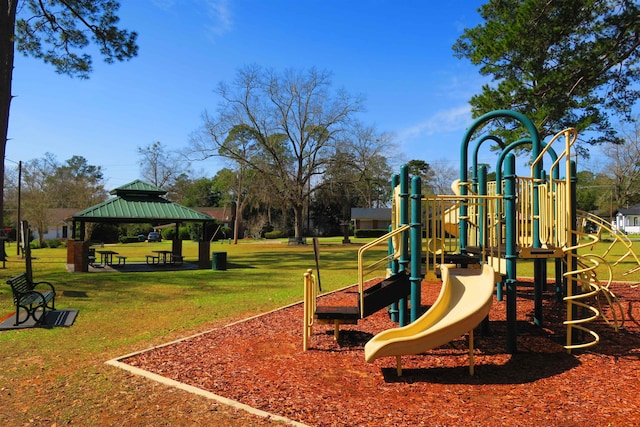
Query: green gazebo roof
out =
(139, 202)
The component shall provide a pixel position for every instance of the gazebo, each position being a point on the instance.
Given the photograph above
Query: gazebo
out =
(136, 202)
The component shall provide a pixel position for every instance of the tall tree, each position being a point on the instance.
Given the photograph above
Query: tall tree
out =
(623, 168)
(37, 194)
(443, 175)
(371, 151)
(564, 63)
(56, 31)
(160, 166)
(422, 169)
(294, 121)
(77, 184)
(194, 192)
(49, 184)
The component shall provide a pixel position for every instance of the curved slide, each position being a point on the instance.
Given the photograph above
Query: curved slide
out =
(464, 301)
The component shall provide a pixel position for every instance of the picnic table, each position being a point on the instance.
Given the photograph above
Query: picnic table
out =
(106, 256)
(163, 255)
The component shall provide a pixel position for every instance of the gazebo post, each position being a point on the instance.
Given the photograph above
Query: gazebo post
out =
(204, 246)
(176, 245)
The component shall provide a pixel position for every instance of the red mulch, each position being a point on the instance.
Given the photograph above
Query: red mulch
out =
(260, 363)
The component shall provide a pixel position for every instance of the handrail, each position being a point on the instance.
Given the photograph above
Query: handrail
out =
(310, 295)
(366, 247)
(571, 136)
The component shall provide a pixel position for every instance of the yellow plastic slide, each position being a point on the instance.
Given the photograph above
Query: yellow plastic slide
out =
(464, 301)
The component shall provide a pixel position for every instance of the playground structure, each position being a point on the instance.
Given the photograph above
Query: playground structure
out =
(488, 226)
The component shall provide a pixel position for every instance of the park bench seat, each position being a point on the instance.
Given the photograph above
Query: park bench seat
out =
(176, 259)
(122, 260)
(25, 296)
(153, 259)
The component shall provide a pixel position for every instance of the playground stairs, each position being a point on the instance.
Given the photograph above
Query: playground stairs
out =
(375, 298)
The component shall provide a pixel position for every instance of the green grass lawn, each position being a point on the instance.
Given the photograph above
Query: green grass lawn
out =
(121, 313)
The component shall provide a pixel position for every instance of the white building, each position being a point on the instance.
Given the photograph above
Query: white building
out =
(627, 220)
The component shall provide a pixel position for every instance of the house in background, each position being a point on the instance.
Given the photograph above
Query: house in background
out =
(59, 224)
(224, 216)
(627, 220)
(370, 218)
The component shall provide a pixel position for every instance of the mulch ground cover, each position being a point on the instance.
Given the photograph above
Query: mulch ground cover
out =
(260, 362)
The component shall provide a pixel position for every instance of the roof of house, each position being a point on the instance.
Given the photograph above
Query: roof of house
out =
(633, 210)
(60, 215)
(381, 214)
(221, 214)
(139, 202)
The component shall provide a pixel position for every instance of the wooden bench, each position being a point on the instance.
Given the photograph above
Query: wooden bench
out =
(176, 259)
(155, 259)
(25, 296)
(122, 260)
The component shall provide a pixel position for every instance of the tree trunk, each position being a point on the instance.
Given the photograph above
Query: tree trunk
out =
(298, 220)
(238, 218)
(7, 30)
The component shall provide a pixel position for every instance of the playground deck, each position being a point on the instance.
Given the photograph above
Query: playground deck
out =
(260, 363)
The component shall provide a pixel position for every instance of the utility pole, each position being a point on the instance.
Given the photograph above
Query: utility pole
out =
(18, 231)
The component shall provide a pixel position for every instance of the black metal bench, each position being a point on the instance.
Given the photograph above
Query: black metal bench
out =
(26, 297)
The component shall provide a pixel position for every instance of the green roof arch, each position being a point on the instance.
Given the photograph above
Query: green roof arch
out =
(140, 202)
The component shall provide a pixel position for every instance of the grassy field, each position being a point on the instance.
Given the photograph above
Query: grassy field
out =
(58, 376)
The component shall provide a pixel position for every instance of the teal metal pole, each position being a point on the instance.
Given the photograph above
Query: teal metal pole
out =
(483, 222)
(393, 263)
(482, 191)
(511, 254)
(416, 248)
(404, 220)
(539, 282)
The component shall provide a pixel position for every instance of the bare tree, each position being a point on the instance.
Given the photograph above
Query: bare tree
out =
(371, 152)
(443, 174)
(623, 167)
(293, 121)
(159, 166)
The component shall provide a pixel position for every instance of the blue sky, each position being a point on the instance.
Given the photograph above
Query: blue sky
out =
(395, 53)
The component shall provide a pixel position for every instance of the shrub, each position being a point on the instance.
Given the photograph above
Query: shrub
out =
(168, 233)
(273, 234)
(184, 234)
(53, 243)
(129, 239)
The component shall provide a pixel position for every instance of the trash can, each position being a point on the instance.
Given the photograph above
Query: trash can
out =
(218, 260)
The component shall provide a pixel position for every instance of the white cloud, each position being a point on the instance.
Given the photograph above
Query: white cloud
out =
(164, 4)
(219, 13)
(215, 13)
(451, 120)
